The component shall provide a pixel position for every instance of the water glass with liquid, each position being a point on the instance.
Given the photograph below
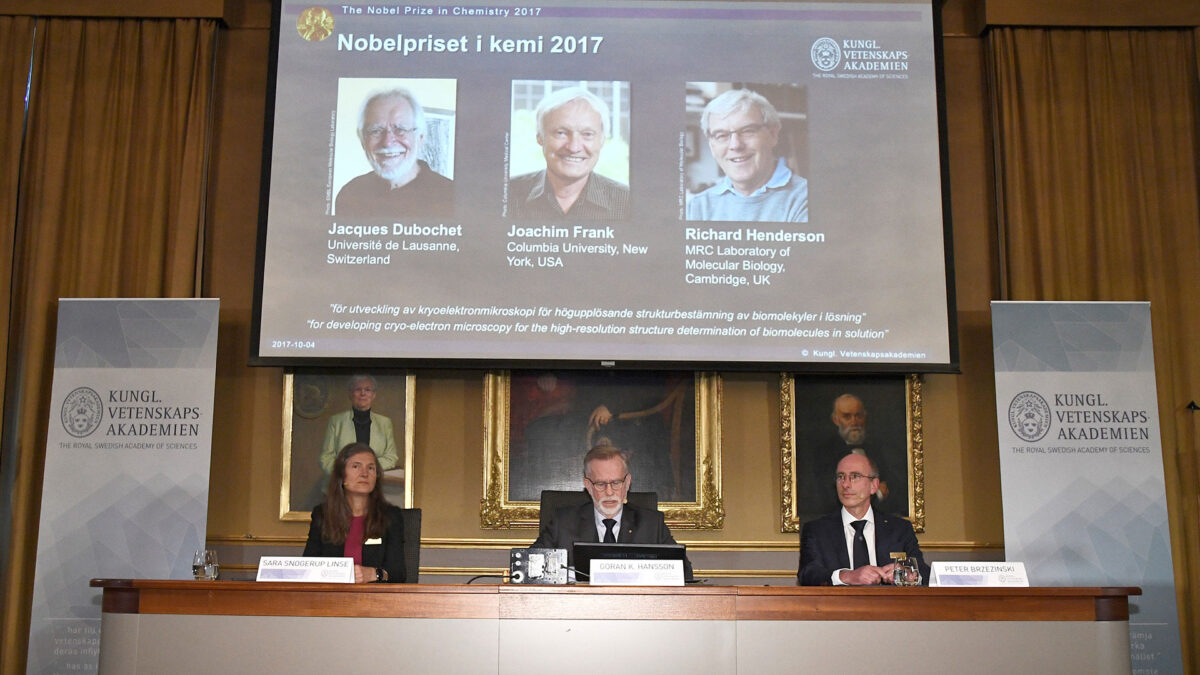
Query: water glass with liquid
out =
(204, 565)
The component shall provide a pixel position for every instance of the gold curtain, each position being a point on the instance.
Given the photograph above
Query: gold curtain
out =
(111, 198)
(16, 34)
(1096, 144)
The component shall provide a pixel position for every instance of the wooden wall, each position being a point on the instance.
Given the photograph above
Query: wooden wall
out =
(962, 487)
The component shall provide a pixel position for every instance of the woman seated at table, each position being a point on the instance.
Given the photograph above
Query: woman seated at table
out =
(355, 521)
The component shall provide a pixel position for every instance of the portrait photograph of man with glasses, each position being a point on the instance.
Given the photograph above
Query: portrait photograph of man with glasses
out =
(409, 152)
(753, 143)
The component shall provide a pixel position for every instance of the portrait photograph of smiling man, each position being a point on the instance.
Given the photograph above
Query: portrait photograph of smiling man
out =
(569, 151)
(751, 170)
(394, 158)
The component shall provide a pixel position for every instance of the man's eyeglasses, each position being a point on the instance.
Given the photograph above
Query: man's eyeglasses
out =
(746, 133)
(604, 485)
(379, 132)
(853, 477)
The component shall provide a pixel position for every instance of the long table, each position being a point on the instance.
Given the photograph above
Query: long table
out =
(157, 626)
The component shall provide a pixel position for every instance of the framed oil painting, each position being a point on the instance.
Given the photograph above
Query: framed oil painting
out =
(318, 420)
(822, 418)
(541, 423)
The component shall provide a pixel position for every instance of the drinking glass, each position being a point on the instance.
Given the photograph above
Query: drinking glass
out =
(906, 573)
(204, 565)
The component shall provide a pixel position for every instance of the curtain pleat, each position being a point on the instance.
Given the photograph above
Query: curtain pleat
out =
(1096, 151)
(16, 34)
(112, 191)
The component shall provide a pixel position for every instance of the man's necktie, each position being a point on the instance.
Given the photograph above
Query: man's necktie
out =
(861, 555)
(609, 538)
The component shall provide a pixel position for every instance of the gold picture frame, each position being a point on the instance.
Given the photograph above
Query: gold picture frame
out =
(893, 404)
(310, 398)
(683, 397)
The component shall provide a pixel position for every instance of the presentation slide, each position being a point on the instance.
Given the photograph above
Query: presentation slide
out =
(724, 184)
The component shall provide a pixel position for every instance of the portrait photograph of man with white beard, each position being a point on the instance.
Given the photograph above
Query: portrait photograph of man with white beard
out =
(836, 416)
(394, 154)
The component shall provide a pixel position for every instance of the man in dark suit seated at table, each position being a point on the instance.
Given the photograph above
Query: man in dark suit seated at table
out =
(607, 518)
(853, 546)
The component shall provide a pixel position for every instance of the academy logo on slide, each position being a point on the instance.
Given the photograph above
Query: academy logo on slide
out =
(1029, 416)
(82, 411)
(826, 54)
(315, 24)
(863, 58)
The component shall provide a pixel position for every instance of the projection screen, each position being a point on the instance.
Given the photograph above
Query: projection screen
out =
(601, 183)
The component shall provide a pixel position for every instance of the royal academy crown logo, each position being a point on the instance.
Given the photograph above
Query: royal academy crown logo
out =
(82, 411)
(1029, 416)
(826, 54)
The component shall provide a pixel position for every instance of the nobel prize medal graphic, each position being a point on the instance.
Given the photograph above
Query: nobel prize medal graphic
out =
(315, 24)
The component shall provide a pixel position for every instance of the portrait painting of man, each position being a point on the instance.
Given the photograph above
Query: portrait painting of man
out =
(557, 416)
(836, 416)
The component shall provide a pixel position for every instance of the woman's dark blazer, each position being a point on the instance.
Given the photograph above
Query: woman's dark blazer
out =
(389, 554)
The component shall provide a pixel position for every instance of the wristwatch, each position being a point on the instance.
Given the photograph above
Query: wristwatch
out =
(378, 574)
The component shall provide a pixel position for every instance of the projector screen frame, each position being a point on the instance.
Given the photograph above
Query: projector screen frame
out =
(951, 365)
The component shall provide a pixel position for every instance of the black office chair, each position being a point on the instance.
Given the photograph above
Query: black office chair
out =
(412, 545)
(552, 500)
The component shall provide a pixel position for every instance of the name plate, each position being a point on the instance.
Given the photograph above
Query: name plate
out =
(637, 573)
(310, 570)
(981, 574)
